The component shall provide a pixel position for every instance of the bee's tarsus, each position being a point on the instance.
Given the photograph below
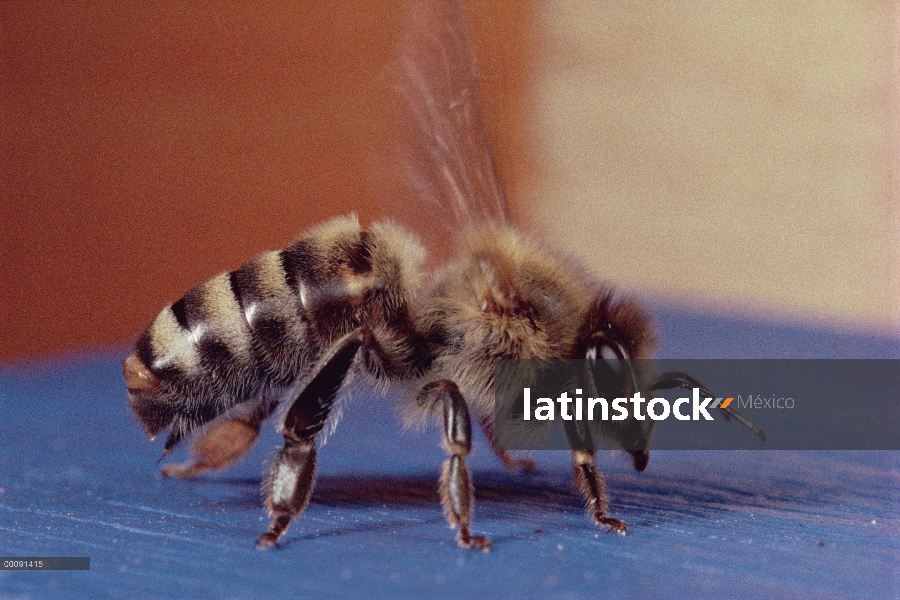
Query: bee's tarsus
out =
(276, 530)
(592, 484)
(473, 542)
(612, 525)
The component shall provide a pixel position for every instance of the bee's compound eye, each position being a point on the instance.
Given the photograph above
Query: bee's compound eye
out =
(608, 353)
(612, 358)
(611, 353)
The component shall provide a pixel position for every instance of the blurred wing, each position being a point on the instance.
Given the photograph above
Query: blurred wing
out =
(447, 158)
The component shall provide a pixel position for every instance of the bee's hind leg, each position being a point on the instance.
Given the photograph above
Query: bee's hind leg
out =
(527, 465)
(225, 441)
(292, 477)
(457, 493)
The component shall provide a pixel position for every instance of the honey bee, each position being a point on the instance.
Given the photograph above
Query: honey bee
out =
(285, 333)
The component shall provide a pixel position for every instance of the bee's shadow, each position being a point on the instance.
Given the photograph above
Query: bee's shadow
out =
(534, 492)
(416, 490)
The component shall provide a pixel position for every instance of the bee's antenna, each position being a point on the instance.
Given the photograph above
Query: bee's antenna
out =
(756, 429)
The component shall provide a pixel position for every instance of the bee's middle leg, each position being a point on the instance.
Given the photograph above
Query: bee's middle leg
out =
(487, 425)
(457, 493)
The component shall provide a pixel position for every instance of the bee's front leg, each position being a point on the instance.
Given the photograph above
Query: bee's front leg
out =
(457, 493)
(292, 477)
(588, 478)
(593, 487)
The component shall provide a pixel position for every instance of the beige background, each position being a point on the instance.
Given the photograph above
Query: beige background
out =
(727, 155)
(711, 154)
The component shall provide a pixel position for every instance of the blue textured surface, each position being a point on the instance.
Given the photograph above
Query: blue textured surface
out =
(79, 478)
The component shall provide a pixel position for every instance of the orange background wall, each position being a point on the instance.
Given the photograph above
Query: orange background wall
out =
(148, 146)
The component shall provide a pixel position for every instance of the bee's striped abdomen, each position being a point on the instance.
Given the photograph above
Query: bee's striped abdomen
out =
(254, 330)
(276, 319)
(200, 347)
